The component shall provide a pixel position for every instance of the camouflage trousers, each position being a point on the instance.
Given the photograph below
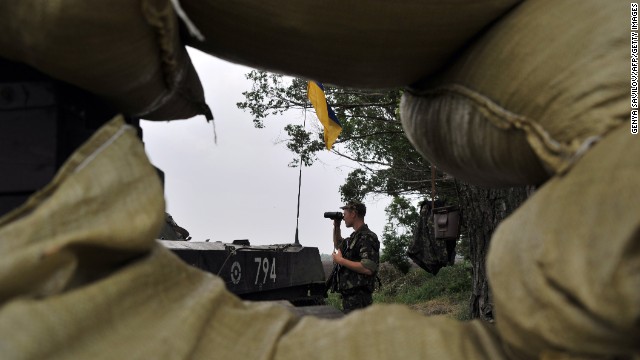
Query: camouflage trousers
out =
(355, 300)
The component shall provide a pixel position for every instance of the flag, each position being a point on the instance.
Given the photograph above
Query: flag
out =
(332, 126)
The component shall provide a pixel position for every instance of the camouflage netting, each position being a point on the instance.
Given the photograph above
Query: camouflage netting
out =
(425, 250)
(128, 52)
(528, 95)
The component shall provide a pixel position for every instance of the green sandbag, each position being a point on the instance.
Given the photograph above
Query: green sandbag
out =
(375, 43)
(565, 267)
(528, 97)
(128, 52)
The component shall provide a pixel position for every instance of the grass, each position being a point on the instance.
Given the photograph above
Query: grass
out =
(447, 293)
(334, 300)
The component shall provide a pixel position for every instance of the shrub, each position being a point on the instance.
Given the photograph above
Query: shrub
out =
(452, 286)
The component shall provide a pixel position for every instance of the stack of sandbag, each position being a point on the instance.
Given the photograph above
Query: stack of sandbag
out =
(564, 268)
(376, 43)
(526, 99)
(81, 277)
(128, 52)
(539, 99)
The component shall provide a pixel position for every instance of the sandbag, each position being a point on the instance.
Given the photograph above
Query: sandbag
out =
(81, 277)
(565, 267)
(374, 43)
(528, 97)
(128, 52)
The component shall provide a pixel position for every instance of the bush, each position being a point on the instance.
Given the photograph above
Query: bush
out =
(388, 273)
(334, 299)
(452, 286)
(446, 293)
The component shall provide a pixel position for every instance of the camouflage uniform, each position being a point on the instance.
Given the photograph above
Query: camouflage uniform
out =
(361, 246)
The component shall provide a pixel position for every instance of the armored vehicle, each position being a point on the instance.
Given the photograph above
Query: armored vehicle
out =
(273, 272)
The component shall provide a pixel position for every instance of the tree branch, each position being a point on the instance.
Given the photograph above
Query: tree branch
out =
(345, 139)
(360, 161)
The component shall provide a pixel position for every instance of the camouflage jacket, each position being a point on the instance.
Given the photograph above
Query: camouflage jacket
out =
(361, 246)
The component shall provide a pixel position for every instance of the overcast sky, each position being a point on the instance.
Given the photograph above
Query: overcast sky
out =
(242, 188)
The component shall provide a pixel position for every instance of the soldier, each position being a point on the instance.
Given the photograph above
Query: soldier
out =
(357, 258)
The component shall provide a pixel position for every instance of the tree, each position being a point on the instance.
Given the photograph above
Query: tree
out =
(371, 135)
(483, 210)
(373, 138)
(398, 233)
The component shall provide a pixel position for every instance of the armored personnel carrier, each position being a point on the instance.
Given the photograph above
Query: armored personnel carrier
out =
(273, 272)
(290, 272)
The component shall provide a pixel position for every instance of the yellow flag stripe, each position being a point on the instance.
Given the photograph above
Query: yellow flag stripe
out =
(327, 117)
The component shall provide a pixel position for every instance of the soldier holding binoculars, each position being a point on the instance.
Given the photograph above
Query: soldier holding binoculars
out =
(356, 258)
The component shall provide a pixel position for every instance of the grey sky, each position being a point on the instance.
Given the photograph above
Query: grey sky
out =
(242, 188)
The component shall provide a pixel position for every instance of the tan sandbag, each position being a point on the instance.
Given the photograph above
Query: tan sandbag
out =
(81, 277)
(565, 267)
(71, 216)
(529, 96)
(391, 332)
(375, 43)
(128, 52)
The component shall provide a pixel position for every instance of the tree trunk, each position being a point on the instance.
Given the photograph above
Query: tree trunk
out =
(482, 211)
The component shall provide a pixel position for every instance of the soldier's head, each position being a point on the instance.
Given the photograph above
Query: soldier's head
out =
(354, 212)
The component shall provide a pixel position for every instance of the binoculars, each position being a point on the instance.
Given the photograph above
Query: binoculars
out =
(337, 215)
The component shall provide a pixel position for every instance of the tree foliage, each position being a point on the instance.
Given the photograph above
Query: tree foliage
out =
(398, 233)
(372, 137)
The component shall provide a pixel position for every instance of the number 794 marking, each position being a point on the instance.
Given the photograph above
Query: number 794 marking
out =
(263, 263)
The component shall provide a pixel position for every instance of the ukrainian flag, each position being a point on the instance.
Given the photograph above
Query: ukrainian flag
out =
(332, 127)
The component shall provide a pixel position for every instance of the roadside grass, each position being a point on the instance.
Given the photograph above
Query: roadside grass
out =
(447, 293)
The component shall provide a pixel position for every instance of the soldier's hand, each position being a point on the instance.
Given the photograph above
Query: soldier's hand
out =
(337, 256)
(336, 222)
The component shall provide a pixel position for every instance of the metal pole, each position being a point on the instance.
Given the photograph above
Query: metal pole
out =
(297, 240)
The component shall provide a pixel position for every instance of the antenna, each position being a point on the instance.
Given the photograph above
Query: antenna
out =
(297, 241)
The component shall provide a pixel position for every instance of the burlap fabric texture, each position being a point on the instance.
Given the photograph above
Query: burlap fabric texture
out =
(128, 52)
(529, 96)
(374, 43)
(82, 277)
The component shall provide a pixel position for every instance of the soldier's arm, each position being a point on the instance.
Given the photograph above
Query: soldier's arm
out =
(337, 235)
(370, 254)
(356, 266)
